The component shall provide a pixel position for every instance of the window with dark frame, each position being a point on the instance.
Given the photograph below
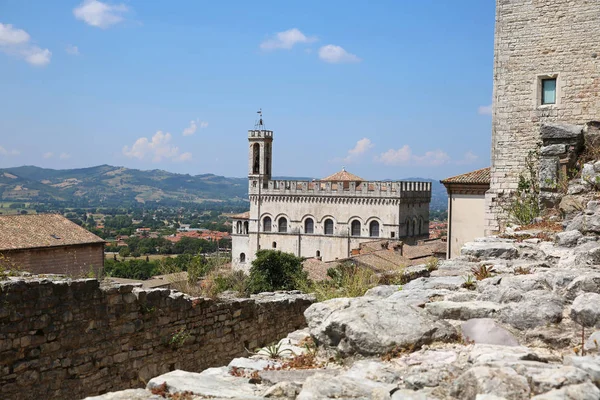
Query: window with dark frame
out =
(328, 227)
(309, 226)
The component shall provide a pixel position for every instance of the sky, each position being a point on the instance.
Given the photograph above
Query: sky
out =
(387, 89)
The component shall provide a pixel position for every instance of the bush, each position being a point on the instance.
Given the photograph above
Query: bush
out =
(273, 270)
(524, 205)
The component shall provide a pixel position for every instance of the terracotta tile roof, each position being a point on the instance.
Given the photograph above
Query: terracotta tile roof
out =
(343, 176)
(244, 215)
(478, 177)
(42, 230)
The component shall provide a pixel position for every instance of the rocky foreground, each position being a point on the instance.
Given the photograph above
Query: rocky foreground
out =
(526, 331)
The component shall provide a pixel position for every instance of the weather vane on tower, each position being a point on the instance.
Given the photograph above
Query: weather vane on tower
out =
(260, 124)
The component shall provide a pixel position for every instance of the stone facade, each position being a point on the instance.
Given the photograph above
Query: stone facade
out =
(535, 40)
(324, 219)
(71, 339)
(73, 260)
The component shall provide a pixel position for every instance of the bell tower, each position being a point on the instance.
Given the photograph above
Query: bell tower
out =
(260, 151)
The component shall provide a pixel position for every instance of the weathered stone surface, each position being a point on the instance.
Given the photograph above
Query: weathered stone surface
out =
(487, 250)
(296, 376)
(589, 364)
(383, 291)
(364, 326)
(437, 282)
(548, 173)
(545, 379)
(561, 132)
(215, 382)
(568, 238)
(486, 331)
(253, 364)
(286, 390)
(592, 344)
(129, 394)
(537, 308)
(463, 310)
(504, 382)
(553, 150)
(583, 391)
(585, 309)
(589, 282)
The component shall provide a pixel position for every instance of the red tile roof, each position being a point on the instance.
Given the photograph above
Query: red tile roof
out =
(343, 176)
(41, 230)
(478, 177)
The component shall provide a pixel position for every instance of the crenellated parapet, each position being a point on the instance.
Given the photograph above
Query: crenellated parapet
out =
(406, 190)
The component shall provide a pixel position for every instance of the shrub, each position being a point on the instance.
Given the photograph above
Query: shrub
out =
(273, 270)
(524, 205)
(482, 272)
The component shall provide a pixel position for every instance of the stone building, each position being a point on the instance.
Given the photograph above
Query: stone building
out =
(49, 244)
(546, 70)
(324, 218)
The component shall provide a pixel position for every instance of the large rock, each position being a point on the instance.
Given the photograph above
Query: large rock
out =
(488, 250)
(372, 326)
(589, 364)
(561, 133)
(129, 394)
(545, 379)
(582, 391)
(437, 282)
(383, 291)
(568, 238)
(418, 297)
(486, 331)
(589, 282)
(215, 382)
(585, 309)
(537, 308)
(463, 310)
(503, 382)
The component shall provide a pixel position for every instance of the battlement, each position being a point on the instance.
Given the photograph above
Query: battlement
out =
(376, 189)
(259, 133)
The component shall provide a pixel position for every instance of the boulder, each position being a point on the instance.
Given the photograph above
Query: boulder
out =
(553, 150)
(589, 364)
(486, 331)
(463, 310)
(537, 308)
(437, 282)
(285, 390)
(215, 382)
(383, 291)
(585, 309)
(545, 379)
(592, 344)
(561, 133)
(568, 238)
(502, 382)
(582, 391)
(418, 297)
(588, 282)
(373, 326)
(489, 250)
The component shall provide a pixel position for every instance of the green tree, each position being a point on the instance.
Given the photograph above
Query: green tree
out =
(274, 270)
(124, 252)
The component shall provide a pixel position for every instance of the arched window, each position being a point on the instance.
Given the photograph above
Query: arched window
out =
(274, 245)
(412, 231)
(245, 227)
(318, 253)
(328, 226)
(355, 228)
(256, 158)
(309, 225)
(238, 227)
(374, 229)
(242, 257)
(282, 225)
(267, 224)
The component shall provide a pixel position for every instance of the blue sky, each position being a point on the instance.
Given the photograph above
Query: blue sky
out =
(388, 89)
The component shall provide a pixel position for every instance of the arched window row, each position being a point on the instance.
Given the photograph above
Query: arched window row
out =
(328, 226)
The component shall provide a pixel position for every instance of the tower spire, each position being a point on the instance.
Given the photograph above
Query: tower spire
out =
(259, 124)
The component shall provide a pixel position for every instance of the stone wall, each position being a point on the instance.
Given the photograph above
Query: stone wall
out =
(536, 39)
(71, 339)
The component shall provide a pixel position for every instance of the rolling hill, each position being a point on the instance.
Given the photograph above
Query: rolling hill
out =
(108, 185)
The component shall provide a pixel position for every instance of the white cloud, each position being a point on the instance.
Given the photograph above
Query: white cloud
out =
(16, 42)
(72, 50)
(157, 148)
(4, 152)
(48, 155)
(336, 55)
(468, 158)
(64, 156)
(485, 110)
(37, 56)
(10, 36)
(286, 40)
(99, 14)
(194, 125)
(405, 156)
(361, 147)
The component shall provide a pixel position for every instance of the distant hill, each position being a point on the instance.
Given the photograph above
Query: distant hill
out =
(108, 185)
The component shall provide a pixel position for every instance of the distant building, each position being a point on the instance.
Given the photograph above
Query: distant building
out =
(325, 218)
(49, 244)
(466, 208)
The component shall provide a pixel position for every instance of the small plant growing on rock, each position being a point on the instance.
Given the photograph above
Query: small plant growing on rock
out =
(482, 272)
(433, 264)
(523, 271)
(273, 351)
(469, 282)
(178, 339)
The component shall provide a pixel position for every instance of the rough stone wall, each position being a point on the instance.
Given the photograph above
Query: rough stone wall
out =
(71, 339)
(537, 38)
(75, 261)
